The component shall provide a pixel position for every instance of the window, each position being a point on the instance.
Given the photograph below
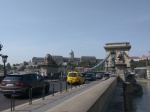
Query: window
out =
(72, 75)
(13, 77)
(38, 77)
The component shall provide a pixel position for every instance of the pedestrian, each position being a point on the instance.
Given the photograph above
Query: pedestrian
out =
(51, 76)
(61, 75)
(43, 75)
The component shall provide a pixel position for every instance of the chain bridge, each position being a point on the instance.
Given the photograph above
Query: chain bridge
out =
(117, 58)
(97, 97)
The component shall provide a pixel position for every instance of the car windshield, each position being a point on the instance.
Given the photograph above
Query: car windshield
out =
(12, 77)
(72, 74)
(89, 75)
(106, 75)
(98, 74)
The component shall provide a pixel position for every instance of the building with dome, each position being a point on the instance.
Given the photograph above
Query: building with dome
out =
(60, 59)
(71, 56)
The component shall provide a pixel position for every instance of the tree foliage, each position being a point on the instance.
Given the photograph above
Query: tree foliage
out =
(141, 63)
(1, 67)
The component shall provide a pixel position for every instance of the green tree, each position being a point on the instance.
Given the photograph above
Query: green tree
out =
(8, 66)
(141, 63)
(1, 67)
(87, 64)
(132, 64)
(14, 68)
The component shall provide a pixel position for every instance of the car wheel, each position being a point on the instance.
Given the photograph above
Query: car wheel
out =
(68, 83)
(46, 88)
(84, 82)
(78, 83)
(7, 95)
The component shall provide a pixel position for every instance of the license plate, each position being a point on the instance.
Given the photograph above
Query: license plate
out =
(10, 85)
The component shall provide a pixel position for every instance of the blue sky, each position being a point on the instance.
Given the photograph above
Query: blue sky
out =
(34, 28)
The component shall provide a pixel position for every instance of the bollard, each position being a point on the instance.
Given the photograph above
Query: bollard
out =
(66, 86)
(13, 101)
(79, 84)
(43, 92)
(60, 87)
(76, 85)
(30, 96)
(71, 84)
(49, 85)
(53, 90)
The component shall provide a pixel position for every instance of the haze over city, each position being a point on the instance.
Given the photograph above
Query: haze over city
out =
(34, 28)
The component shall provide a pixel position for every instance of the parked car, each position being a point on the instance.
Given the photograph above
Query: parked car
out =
(75, 78)
(90, 77)
(107, 75)
(99, 75)
(21, 84)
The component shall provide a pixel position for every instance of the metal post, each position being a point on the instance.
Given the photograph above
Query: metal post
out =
(66, 86)
(4, 69)
(53, 90)
(79, 83)
(13, 101)
(60, 87)
(30, 96)
(43, 92)
(76, 85)
(71, 84)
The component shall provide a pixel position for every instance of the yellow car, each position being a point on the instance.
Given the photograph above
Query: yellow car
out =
(75, 78)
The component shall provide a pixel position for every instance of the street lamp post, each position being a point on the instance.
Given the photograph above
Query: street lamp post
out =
(1, 47)
(4, 59)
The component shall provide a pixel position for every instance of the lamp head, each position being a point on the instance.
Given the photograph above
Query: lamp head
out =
(4, 58)
(1, 47)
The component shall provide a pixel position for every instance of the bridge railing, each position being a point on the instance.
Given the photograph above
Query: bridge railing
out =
(95, 99)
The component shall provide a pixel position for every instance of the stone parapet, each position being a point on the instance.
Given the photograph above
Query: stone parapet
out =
(95, 99)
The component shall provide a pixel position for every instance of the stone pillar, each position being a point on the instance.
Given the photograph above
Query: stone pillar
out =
(120, 69)
(49, 66)
(148, 72)
(48, 69)
(117, 47)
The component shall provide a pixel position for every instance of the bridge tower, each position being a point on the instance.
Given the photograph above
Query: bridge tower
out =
(118, 60)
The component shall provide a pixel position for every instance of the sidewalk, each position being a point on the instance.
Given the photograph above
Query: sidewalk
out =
(143, 80)
(50, 101)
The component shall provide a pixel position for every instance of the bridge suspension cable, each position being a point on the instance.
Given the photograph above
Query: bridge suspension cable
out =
(99, 64)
